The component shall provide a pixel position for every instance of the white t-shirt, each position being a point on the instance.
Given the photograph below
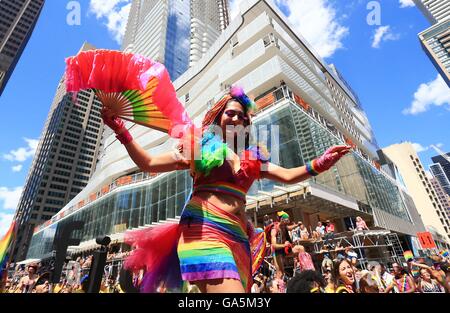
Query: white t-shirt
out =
(320, 229)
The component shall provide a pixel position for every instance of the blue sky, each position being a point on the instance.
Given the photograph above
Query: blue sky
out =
(388, 76)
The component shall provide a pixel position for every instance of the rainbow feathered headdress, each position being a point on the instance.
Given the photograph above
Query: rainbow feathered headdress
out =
(237, 93)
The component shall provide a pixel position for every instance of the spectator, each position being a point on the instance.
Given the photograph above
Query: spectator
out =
(280, 241)
(361, 224)
(402, 282)
(351, 255)
(267, 221)
(327, 262)
(44, 288)
(436, 270)
(384, 278)
(319, 232)
(258, 284)
(427, 284)
(27, 283)
(343, 277)
(308, 281)
(328, 277)
(329, 232)
(296, 235)
(368, 283)
(304, 261)
(304, 234)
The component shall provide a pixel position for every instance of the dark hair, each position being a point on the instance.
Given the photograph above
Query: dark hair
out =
(303, 283)
(335, 276)
(367, 282)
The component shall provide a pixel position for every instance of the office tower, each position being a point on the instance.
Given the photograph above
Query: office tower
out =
(436, 44)
(442, 195)
(176, 33)
(436, 39)
(17, 21)
(295, 90)
(434, 10)
(64, 161)
(430, 208)
(438, 172)
(444, 164)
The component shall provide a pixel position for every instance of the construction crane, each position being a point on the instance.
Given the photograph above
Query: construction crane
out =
(445, 156)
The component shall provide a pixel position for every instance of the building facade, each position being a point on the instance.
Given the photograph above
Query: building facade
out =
(438, 173)
(176, 33)
(64, 161)
(436, 44)
(436, 39)
(427, 202)
(295, 91)
(17, 21)
(434, 10)
(444, 164)
(442, 195)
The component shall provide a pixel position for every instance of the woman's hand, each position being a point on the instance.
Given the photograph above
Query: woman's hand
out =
(117, 125)
(330, 157)
(113, 122)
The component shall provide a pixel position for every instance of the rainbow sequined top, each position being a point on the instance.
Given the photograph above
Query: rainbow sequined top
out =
(224, 180)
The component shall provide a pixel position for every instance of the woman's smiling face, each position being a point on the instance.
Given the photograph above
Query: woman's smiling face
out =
(346, 273)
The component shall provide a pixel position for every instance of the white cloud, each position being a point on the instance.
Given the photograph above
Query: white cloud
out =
(17, 168)
(419, 148)
(23, 153)
(234, 8)
(5, 223)
(10, 197)
(115, 12)
(383, 33)
(406, 3)
(429, 94)
(318, 22)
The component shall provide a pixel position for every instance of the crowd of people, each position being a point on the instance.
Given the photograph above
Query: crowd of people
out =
(35, 277)
(337, 271)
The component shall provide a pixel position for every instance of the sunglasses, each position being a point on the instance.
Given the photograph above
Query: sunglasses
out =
(233, 113)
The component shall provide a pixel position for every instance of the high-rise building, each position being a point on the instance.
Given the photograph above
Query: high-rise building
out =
(17, 21)
(427, 202)
(295, 90)
(176, 33)
(442, 195)
(445, 164)
(64, 161)
(438, 172)
(435, 40)
(434, 10)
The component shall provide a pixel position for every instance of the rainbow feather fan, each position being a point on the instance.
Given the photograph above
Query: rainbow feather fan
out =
(133, 87)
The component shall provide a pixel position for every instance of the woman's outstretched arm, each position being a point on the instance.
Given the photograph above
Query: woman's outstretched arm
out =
(165, 162)
(301, 173)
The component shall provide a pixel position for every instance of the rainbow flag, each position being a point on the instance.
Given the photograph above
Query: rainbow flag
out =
(444, 253)
(5, 244)
(408, 255)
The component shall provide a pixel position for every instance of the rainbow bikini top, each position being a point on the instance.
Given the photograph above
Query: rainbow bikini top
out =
(224, 180)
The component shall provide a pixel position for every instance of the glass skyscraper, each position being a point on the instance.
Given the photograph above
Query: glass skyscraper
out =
(17, 21)
(174, 32)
